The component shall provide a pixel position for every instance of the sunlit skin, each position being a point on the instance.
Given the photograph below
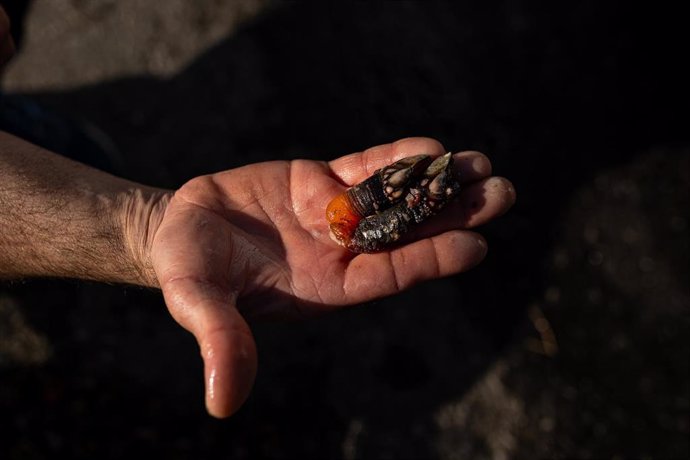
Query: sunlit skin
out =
(253, 242)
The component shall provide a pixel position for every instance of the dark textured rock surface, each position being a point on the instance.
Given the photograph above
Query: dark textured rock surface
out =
(570, 341)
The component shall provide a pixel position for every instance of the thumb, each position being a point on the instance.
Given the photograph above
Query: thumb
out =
(225, 341)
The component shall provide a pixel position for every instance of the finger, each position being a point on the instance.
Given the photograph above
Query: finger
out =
(356, 167)
(471, 166)
(7, 47)
(190, 256)
(477, 204)
(225, 341)
(484, 201)
(370, 276)
(468, 165)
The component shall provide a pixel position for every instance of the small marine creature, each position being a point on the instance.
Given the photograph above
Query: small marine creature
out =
(378, 192)
(375, 213)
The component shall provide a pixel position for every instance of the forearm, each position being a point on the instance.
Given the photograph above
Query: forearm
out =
(59, 218)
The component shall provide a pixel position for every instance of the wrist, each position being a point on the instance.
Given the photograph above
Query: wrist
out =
(62, 219)
(137, 215)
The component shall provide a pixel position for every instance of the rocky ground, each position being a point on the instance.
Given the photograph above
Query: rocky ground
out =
(570, 341)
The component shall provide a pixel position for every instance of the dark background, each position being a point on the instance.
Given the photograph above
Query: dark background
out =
(569, 341)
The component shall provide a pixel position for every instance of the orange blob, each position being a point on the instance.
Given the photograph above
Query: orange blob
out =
(342, 218)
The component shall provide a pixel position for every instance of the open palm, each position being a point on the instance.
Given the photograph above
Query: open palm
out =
(254, 242)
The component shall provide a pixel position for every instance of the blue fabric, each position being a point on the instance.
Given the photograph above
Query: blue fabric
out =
(78, 140)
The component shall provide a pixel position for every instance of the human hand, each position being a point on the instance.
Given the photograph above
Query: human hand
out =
(253, 242)
(6, 41)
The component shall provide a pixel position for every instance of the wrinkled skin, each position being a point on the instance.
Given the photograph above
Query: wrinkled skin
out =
(253, 242)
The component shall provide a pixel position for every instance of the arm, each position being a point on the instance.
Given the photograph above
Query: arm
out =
(247, 242)
(59, 218)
